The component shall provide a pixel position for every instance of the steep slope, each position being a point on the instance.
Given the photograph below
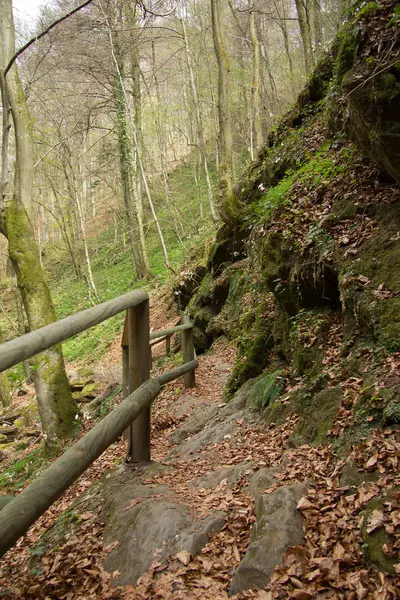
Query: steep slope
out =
(307, 284)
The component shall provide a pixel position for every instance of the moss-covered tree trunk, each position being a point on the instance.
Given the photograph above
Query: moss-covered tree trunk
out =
(5, 388)
(256, 83)
(227, 206)
(56, 406)
(305, 32)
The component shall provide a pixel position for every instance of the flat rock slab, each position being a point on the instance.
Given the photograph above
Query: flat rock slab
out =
(209, 426)
(198, 420)
(230, 475)
(148, 522)
(141, 531)
(260, 481)
(279, 525)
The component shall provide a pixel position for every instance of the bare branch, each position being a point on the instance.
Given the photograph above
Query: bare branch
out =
(43, 33)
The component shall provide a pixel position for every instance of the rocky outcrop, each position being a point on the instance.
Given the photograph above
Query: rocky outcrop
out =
(278, 526)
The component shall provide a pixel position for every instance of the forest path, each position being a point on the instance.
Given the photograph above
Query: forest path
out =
(183, 526)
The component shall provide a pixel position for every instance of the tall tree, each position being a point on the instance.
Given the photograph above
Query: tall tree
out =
(255, 87)
(226, 199)
(199, 120)
(56, 406)
(303, 16)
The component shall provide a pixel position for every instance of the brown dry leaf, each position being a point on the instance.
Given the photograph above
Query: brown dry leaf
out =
(305, 504)
(301, 595)
(375, 520)
(184, 557)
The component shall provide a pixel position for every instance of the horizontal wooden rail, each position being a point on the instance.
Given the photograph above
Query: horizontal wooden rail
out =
(159, 340)
(17, 516)
(178, 372)
(26, 346)
(164, 332)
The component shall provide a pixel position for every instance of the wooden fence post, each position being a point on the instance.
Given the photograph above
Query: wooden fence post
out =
(139, 372)
(188, 352)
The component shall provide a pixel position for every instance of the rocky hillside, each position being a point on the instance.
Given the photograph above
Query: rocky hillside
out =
(308, 283)
(289, 487)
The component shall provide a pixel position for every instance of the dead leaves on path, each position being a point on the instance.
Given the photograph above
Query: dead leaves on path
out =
(329, 565)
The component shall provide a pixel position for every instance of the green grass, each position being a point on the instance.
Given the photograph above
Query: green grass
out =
(322, 168)
(113, 267)
(20, 472)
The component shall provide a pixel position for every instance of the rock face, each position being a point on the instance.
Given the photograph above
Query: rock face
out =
(279, 525)
(374, 109)
(141, 531)
(152, 529)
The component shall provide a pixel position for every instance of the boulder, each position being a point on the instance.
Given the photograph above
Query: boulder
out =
(279, 525)
(142, 530)
(376, 537)
(8, 433)
(229, 474)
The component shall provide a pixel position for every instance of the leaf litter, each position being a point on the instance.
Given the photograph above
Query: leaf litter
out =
(330, 564)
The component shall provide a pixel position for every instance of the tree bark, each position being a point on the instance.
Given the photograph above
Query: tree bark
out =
(305, 33)
(5, 388)
(255, 86)
(199, 123)
(227, 203)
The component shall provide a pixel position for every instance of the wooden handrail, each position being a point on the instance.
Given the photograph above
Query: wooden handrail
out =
(132, 415)
(26, 346)
(17, 516)
(164, 332)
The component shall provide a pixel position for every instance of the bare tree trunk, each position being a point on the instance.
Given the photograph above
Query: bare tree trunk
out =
(283, 26)
(317, 28)
(227, 205)
(174, 214)
(137, 150)
(255, 87)
(5, 388)
(305, 32)
(199, 123)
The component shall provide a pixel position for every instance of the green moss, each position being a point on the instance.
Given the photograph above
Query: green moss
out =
(19, 473)
(376, 313)
(347, 42)
(374, 541)
(318, 416)
(367, 10)
(252, 356)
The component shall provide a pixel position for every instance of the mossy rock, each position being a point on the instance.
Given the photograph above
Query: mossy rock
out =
(188, 285)
(229, 247)
(85, 371)
(367, 309)
(252, 357)
(318, 417)
(391, 413)
(29, 414)
(296, 282)
(374, 541)
(202, 342)
(267, 389)
(374, 108)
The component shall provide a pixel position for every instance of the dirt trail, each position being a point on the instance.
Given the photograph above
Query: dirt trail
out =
(208, 458)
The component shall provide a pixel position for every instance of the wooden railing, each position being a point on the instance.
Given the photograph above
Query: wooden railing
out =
(131, 416)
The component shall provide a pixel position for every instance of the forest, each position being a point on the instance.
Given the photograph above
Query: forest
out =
(237, 163)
